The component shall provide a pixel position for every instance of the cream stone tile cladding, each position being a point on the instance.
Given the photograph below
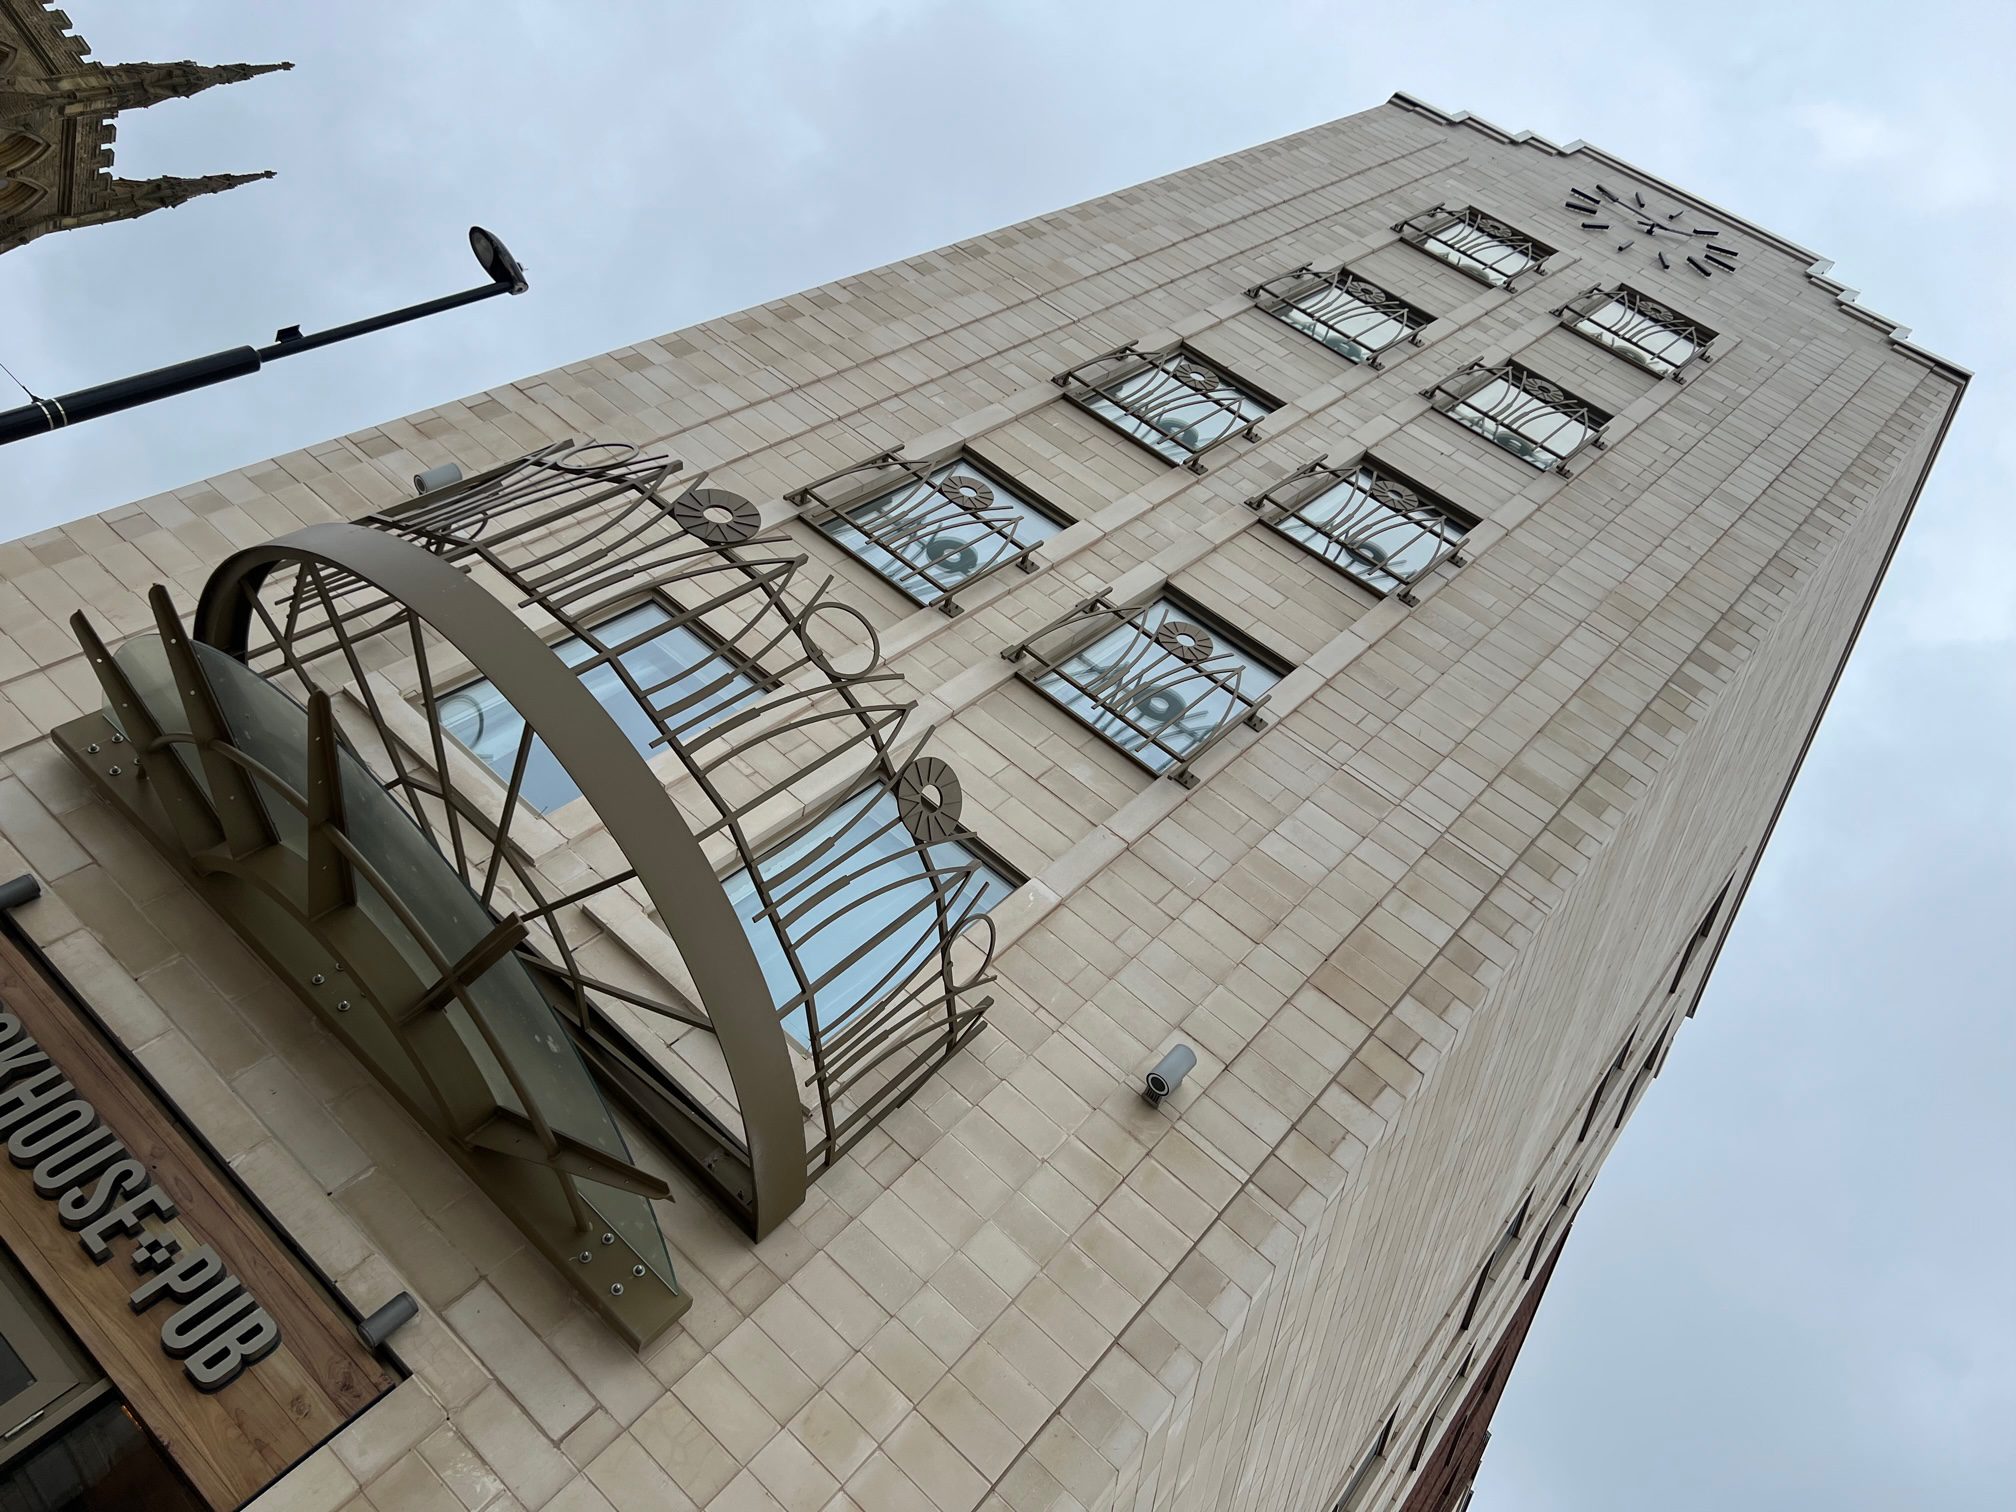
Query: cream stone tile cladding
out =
(1406, 927)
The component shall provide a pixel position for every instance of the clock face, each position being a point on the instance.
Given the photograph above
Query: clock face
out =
(1665, 235)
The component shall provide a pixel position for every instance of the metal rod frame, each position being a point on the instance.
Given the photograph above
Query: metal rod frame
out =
(1479, 245)
(1339, 301)
(1387, 515)
(1527, 419)
(1645, 331)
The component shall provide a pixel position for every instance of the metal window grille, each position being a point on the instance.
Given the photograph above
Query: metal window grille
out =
(931, 526)
(1367, 521)
(1475, 243)
(1348, 314)
(1532, 417)
(1170, 401)
(1637, 328)
(1149, 677)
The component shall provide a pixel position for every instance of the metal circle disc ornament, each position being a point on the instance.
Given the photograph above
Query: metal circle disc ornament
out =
(1158, 707)
(950, 555)
(1187, 370)
(964, 488)
(928, 799)
(594, 456)
(1188, 643)
(716, 516)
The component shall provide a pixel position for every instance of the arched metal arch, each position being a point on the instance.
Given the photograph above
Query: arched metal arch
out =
(640, 815)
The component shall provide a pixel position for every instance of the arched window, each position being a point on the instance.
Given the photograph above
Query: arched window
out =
(18, 149)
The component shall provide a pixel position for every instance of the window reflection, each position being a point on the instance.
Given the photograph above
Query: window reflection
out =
(677, 670)
(1178, 407)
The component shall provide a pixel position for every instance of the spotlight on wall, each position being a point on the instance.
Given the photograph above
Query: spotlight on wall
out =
(1167, 1074)
(436, 477)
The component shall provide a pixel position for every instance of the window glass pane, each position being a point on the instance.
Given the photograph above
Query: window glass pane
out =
(1528, 427)
(1342, 322)
(100, 1463)
(1146, 700)
(15, 1377)
(867, 874)
(673, 666)
(916, 527)
(1367, 527)
(1471, 247)
(1176, 418)
(1639, 337)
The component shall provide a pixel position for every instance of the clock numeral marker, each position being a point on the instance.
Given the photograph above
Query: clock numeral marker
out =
(1699, 232)
(1641, 200)
(1608, 195)
(1625, 246)
(1699, 267)
(1595, 225)
(1674, 216)
(1662, 261)
(1581, 209)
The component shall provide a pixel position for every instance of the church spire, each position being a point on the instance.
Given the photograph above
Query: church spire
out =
(134, 86)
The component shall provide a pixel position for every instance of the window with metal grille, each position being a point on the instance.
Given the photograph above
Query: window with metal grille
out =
(1475, 243)
(1439, 1410)
(1352, 316)
(1364, 519)
(1365, 1470)
(1616, 1069)
(1495, 1262)
(1171, 401)
(861, 890)
(1156, 678)
(931, 527)
(1534, 418)
(1637, 328)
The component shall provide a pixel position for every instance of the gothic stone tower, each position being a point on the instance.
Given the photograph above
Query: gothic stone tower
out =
(56, 130)
(1370, 595)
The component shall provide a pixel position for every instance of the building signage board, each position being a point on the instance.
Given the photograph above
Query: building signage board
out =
(216, 1335)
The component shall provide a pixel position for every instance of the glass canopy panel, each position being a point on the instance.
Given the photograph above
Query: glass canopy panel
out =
(271, 728)
(676, 668)
(858, 861)
(1153, 704)
(930, 525)
(1171, 414)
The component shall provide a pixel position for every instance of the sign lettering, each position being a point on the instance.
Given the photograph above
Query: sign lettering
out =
(102, 1193)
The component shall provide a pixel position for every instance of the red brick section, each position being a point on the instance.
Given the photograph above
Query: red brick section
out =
(1446, 1474)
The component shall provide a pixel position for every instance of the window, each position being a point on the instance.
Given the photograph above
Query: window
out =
(939, 528)
(1171, 401)
(1645, 1073)
(1698, 939)
(1352, 317)
(1158, 679)
(1538, 421)
(1495, 1262)
(1361, 1475)
(1603, 1086)
(1485, 248)
(1637, 328)
(1438, 1412)
(1366, 520)
(861, 893)
(678, 672)
(1551, 1227)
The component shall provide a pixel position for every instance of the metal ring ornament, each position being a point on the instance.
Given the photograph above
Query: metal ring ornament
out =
(929, 799)
(1188, 643)
(964, 488)
(717, 516)
(1189, 371)
(571, 461)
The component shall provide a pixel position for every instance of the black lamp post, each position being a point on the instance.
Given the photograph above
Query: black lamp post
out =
(506, 277)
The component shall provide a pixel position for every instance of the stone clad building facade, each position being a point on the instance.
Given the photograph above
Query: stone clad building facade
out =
(1423, 555)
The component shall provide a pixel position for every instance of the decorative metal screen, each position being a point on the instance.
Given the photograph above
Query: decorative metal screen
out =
(1367, 521)
(569, 541)
(931, 528)
(1172, 401)
(1152, 677)
(1535, 419)
(1351, 316)
(1637, 328)
(1478, 244)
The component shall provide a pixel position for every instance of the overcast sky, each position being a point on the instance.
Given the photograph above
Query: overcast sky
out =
(1792, 1286)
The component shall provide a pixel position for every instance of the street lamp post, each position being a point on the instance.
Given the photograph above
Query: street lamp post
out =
(32, 419)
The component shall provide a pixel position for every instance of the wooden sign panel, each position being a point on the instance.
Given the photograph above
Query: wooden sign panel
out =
(224, 1345)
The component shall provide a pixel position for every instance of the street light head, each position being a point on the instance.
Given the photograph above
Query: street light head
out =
(496, 259)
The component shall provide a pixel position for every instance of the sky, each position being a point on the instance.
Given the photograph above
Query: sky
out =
(1791, 1286)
